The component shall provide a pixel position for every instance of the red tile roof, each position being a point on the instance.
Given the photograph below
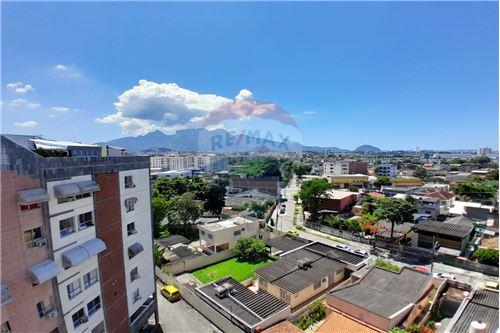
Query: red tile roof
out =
(339, 322)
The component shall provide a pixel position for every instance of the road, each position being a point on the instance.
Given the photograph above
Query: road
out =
(285, 222)
(180, 317)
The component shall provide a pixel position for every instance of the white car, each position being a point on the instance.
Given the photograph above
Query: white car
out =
(342, 247)
(361, 252)
(444, 276)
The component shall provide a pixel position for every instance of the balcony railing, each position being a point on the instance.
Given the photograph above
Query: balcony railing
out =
(67, 231)
(87, 284)
(75, 292)
(94, 309)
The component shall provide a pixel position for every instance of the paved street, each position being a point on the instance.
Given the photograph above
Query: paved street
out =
(181, 317)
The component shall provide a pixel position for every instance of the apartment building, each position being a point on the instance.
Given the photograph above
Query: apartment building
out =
(386, 170)
(205, 162)
(336, 168)
(76, 240)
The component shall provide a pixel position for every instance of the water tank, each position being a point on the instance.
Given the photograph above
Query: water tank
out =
(477, 327)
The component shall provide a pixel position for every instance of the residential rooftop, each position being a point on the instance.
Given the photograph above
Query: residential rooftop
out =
(339, 195)
(286, 243)
(443, 228)
(339, 322)
(482, 307)
(226, 224)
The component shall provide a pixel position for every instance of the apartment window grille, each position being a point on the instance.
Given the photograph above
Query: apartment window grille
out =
(79, 318)
(130, 204)
(74, 289)
(131, 229)
(31, 235)
(25, 208)
(40, 307)
(73, 198)
(85, 220)
(129, 182)
(136, 296)
(67, 226)
(90, 278)
(134, 274)
(94, 305)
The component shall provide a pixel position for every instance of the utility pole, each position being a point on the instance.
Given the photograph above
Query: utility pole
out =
(434, 245)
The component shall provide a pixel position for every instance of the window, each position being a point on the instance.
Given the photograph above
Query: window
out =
(90, 278)
(134, 274)
(79, 318)
(99, 328)
(237, 232)
(129, 182)
(136, 296)
(73, 198)
(317, 284)
(5, 327)
(31, 235)
(131, 229)
(67, 226)
(32, 206)
(94, 305)
(40, 307)
(210, 236)
(202, 232)
(74, 289)
(130, 204)
(85, 220)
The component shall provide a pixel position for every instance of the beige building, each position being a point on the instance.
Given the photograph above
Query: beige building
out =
(223, 235)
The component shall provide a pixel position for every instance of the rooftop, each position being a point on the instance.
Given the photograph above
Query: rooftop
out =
(483, 307)
(225, 224)
(385, 292)
(173, 240)
(338, 195)
(283, 327)
(338, 322)
(443, 228)
(249, 307)
(286, 243)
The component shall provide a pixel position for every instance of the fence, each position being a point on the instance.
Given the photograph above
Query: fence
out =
(194, 263)
(338, 233)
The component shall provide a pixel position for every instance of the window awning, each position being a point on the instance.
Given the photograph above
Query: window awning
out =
(130, 201)
(43, 271)
(6, 294)
(81, 253)
(32, 195)
(71, 189)
(135, 249)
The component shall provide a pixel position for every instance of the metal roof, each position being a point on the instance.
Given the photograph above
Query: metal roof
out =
(173, 240)
(43, 271)
(286, 243)
(248, 307)
(385, 292)
(337, 254)
(483, 307)
(443, 228)
(32, 195)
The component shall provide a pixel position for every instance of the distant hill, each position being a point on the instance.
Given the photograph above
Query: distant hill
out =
(367, 149)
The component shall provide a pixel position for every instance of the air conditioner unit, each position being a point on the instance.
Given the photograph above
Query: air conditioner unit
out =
(132, 232)
(84, 319)
(39, 242)
(51, 314)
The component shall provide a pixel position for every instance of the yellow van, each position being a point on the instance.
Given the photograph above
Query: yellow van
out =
(171, 293)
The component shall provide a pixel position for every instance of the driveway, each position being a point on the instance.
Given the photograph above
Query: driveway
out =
(181, 317)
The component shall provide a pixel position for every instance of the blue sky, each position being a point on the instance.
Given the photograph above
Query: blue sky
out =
(391, 74)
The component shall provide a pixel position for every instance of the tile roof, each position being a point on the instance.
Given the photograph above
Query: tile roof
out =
(442, 228)
(441, 195)
(250, 307)
(483, 307)
(385, 292)
(283, 327)
(338, 322)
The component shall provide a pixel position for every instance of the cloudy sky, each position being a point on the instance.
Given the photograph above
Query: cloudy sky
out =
(395, 75)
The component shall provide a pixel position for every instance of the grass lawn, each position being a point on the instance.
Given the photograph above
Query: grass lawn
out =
(238, 270)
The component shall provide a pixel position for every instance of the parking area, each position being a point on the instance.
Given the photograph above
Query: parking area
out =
(181, 317)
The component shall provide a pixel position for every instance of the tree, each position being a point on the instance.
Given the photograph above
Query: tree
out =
(493, 175)
(301, 169)
(382, 181)
(487, 256)
(184, 208)
(368, 223)
(477, 191)
(159, 206)
(353, 188)
(312, 192)
(158, 251)
(396, 211)
(215, 198)
(250, 249)
(420, 173)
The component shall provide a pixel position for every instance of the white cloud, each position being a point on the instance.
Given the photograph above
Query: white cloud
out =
(310, 113)
(60, 67)
(60, 108)
(19, 87)
(68, 71)
(23, 103)
(27, 124)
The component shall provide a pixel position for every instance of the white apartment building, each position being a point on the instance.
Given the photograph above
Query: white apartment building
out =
(386, 169)
(336, 168)
(205, 162)
(223, 235)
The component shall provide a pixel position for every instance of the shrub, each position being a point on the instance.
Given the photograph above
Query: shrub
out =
(316, 313)
(398, 330)
(430, 324)
(250, 249)
(299, 227)
(386, 264)
(414, 328)
(487, 256)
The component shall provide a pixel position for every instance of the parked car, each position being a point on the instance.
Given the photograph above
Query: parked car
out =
(293, 232)
(171, 293)
(444, 276)
(342, 247)
(361, 252)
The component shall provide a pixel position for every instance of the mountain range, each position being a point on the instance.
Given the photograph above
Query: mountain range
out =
(219, 140)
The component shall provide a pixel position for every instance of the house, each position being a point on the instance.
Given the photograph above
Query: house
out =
(447, 235)
(392, 191)
(248, 310)
(417, 218)
(383, 298)
(344, 181)
(406, 182)
(283, 327)
(400, 230)
(430, 205)
(300, 275)
(436, 187)
(339, 322)
(223, 235)
(340, 201)
(285, 243)
(477, 313)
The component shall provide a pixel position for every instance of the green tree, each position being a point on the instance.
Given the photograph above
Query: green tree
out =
(487, 256)
(493, 175)
(396, 211)
(158, 251)
(159, 206)
(184, 208)
(301, 169)
(250, 249)
(353, 188)
(382, 181)
(312, 192)
(215, 198)
(420, 173)
(477, 191)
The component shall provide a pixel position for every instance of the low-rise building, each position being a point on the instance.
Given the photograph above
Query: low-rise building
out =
(446, 235)
(344, 181)
(386, 170)
(340, 201)
(431, 206)
(268, 185)
(223, 235)
(383, 298)
(336, 168)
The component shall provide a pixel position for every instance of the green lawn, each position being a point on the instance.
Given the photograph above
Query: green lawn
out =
(238, 270)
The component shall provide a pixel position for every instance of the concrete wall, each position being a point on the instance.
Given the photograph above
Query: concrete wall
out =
(192, 264)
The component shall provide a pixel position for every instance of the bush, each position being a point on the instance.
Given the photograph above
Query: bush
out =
(398, 330)
(487, 256)
(316, 313)
(250, 249)
(299, 227)
(386, 264)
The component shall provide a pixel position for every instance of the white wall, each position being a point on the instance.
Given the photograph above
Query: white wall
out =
(141, 216)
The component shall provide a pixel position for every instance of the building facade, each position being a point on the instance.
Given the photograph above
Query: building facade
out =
(76, 242)
(205, 162)
(336, 168)
(386, 170)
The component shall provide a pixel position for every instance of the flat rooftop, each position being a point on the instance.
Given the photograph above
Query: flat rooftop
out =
(226, 224)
